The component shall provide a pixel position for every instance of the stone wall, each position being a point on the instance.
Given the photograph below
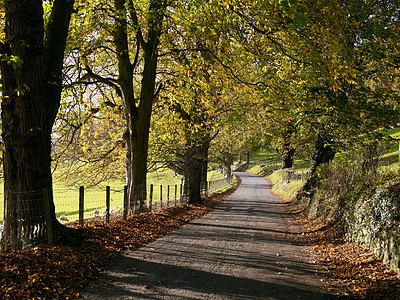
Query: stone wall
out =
(384, 243)
(373, 222)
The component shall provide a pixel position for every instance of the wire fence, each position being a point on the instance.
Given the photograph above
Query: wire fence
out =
(68, 208)
(289, 175)
(26, 219)
(25, 222)
(271, 164)
(216, 185)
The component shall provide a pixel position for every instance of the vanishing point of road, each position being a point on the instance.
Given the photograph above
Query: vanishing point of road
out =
(242, 250)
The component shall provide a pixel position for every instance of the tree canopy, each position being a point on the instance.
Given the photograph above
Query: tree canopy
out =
(188, 85)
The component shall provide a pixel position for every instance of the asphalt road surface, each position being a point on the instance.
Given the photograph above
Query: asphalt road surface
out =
(242, 250)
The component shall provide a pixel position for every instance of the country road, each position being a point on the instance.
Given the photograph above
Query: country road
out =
(242, 250)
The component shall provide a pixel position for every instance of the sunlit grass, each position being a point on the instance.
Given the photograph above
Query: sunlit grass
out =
(301, 165)
(394, 133)
(263, 162)
(284, 189)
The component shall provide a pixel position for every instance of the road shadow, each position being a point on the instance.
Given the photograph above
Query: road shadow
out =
(154, 280)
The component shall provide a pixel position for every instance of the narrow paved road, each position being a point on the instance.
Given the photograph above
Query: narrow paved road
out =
(240, 251)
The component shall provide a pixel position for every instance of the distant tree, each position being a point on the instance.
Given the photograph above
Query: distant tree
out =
(190, 105)
(240, 130)
(193, 93)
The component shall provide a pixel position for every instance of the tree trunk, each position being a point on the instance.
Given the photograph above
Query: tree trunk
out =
(323, 153)
(288, 150)
(139, 166)
(27, 116)
(195, 158)
(287, 158)
(193, 179)
(228, 160)
(137, 113)
(204, 171)
(136, 137)
(24, 124)
(57, 33)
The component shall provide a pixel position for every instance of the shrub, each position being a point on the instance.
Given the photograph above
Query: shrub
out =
(344, 180)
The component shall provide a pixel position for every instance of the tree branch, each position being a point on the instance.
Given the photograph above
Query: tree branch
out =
(232, 72)
(133, 14)
(108, 81)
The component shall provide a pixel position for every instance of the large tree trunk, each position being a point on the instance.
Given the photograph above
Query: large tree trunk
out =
(228, 165)
(140, 142)
(137, 114)
(195, 161)
(204, 163)
(136, 171)
(57, 33)
(323, 151)
(227, 161)
(193, 179)
(27, 112)
(24, 125)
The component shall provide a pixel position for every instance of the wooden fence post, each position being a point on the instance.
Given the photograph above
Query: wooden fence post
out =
(168, 196)
(151, 197)
(176, 191)
(125, 212)
(161, 204)
(107, 204)
(48, 217)
(81, 204)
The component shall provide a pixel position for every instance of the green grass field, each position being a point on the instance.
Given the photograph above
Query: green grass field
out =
(264, 155)
(66, 198)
